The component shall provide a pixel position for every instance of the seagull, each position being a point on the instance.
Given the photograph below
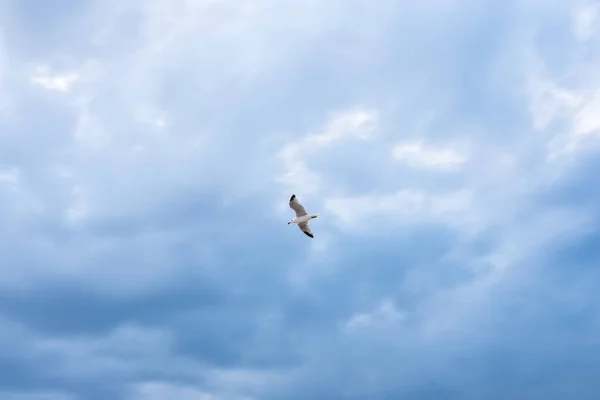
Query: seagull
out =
(302, 216)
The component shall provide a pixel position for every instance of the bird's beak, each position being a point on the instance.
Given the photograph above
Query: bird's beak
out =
(289, 223)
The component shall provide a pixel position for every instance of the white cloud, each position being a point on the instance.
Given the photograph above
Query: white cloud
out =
(417, 154)
(566, 97)
(384, 316)
(548, 100)
(58, 82)
(408, 205)
(587, 119)
(352, 124)
(356, 122)
(585, 21)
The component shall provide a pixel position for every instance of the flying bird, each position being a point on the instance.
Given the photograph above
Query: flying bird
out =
(302, 217)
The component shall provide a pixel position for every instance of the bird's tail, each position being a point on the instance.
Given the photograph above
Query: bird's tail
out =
(315, 215)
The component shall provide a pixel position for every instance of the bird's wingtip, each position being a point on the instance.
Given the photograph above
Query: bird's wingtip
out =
(293, 197)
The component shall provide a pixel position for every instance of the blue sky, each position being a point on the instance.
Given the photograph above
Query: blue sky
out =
(148, 151)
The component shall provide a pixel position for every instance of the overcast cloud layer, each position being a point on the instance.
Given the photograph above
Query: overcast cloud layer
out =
(148, 150)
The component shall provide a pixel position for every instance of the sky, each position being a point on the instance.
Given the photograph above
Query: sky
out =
(148, 151)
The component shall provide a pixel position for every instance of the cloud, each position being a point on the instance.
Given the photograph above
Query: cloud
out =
(567, 94)
(416, 154)
(585, 21)
(148, 152)
(385, 314)
(60, 82)
(357, 124)
(407, 204)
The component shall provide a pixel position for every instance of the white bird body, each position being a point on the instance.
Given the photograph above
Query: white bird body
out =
(302, 217)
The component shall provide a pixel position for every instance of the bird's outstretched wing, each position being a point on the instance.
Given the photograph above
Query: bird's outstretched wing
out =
(297, 207)
(305, 228)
